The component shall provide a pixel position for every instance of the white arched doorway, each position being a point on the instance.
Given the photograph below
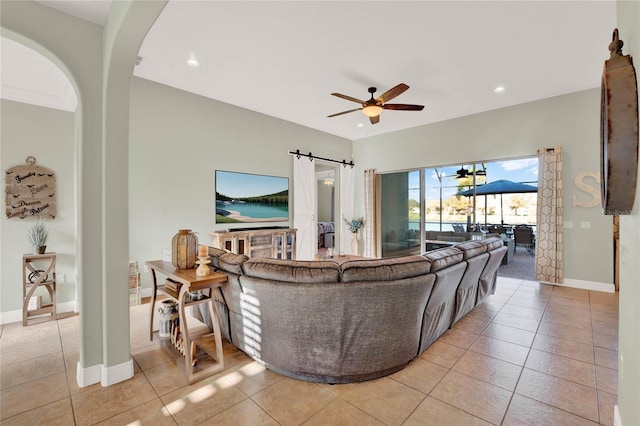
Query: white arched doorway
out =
(38, 108)
(99, 62)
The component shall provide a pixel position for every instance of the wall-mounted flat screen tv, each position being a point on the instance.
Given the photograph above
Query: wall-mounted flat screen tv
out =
(250, 198)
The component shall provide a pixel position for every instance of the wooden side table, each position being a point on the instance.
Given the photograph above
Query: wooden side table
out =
(38, 270)
(192, 330)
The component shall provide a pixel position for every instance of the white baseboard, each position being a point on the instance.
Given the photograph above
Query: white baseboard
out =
(87, 376)
(588, 285)
(117, 373)
(16, 316)
(616, 416)
(106, 376)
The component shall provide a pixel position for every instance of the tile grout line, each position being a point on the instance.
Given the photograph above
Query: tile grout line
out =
(504, 415)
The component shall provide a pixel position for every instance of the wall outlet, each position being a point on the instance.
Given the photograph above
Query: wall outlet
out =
(585, 225)
(568, 224)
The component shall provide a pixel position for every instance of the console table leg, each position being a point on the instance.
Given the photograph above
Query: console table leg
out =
(153, 303)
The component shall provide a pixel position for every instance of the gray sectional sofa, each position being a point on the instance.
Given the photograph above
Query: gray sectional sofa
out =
(325, 322)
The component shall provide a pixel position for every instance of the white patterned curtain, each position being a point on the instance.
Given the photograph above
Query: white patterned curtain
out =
(369, 213)
(346, 208)
(550, 215)
(304, 207)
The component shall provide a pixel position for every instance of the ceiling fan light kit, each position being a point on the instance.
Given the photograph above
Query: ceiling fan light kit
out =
(374, 106)
(372, 110)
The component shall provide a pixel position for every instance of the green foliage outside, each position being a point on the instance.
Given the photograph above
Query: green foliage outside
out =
(281, 197)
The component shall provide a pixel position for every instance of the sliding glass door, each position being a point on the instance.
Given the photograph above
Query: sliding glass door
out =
(444, 199)
(402, 219)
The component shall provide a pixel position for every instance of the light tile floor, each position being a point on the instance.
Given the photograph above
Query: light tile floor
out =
(531, 354)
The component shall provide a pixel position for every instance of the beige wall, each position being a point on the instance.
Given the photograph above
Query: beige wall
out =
(179, 139)
(629, 333)
(48, 135)
(571, 121)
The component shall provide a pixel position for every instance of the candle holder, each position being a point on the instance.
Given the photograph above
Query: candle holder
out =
(203, 267)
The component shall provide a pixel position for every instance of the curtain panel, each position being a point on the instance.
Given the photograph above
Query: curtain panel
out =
(304, 207)
(346, 207)
(369, 213)
(550, 217)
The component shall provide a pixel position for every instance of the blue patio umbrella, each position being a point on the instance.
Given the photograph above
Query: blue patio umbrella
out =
(501, 186)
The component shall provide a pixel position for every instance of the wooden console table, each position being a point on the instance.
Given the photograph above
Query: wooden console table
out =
(276, 243)
(191, 329)
(34, 277)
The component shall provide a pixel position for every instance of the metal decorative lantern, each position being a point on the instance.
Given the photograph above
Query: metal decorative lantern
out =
(184, 249)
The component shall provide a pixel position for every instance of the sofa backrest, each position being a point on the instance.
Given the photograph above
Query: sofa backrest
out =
(489, 276)
(231, 262)
(443, 258)
(475, 255)
(215, 254)
(293, 271)
(473, 248)
(389, 269)
(321, 331)
(448, 266)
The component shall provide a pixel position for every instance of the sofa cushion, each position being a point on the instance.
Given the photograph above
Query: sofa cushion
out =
(471, 249)
(389, 269)
(293, 271)
(232, 262)
(443, 257)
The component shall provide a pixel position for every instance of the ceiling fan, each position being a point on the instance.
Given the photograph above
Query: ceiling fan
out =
(373, 107)
(462, 173)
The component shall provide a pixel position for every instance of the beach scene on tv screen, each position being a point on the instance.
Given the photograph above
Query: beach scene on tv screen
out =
(250, 198)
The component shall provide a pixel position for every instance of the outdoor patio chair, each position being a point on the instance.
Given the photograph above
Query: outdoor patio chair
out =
(524, 237)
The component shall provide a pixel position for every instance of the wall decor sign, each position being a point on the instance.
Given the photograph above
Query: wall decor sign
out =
(618, 131)
(30, 191)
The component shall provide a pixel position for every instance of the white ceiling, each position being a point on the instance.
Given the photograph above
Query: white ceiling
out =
(284, 58)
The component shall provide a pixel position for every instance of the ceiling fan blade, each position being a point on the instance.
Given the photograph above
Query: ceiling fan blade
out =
(403, 107)
(374, 119)
(392, 93)
(343, 112)
(349, 98)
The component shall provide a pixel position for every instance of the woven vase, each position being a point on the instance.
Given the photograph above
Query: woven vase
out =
(184, 249)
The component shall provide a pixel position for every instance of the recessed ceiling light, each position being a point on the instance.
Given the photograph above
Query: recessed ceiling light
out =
(193, 62)
(360, 125)
(499, 89)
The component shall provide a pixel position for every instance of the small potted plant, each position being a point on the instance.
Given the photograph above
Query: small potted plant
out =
(354, 226)
(38, 235)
